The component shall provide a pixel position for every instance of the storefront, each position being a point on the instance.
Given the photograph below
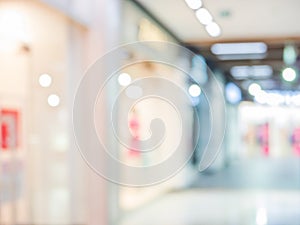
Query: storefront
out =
(271, 132)
(45, 48)
(158, 77)
(41, 68)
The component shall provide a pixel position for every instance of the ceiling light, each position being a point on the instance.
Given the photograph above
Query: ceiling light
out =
(124, 79)
(289, 74)
(257, 71)
(239, 48)
(53, 100)
(213, 29)
(194, 4)
(240, 72)
(204, 16)
(194, 90)
(254, 89)
(290, 54)
(45, 80)
(268, 83)
(261, 71)
(241, 57)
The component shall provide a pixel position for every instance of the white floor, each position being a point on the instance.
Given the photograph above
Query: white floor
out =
(220, 207)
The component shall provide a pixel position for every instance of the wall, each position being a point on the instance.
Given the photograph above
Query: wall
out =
(138, 26)
(58, 187)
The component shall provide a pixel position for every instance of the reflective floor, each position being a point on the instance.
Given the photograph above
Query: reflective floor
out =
(220, 207)
(258, 173)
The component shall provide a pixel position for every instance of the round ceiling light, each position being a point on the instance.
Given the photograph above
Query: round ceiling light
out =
(289, 74)
(45, 80)
(124, 79)
(194, 90)
(254, 89)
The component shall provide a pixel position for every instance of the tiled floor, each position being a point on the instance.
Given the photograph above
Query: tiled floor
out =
(220, 207)
(256, 173)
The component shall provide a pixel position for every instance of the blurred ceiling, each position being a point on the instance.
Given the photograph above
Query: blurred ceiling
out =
(274, 22)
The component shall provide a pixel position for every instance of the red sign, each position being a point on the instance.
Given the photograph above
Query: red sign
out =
(9, 129)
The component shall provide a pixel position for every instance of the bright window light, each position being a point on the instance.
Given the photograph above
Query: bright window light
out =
(45, 80)
(194, 4)
(194, 90)
(53, 100)
(289, 74)
(254, 89)
(239, 48)
(213, 29)
(204, 16)
(124, 79)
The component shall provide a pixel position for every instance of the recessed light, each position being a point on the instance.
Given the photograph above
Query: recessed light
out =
(213, 29)
(239, 48)
(241, 57)
(240, 72)
(194, 90)
(254, 89)
(124, 79)
(261, 71)
(204, 16)
(256, 71)
(194, 4)
(289, 74)
(45, 80)
(53, 100)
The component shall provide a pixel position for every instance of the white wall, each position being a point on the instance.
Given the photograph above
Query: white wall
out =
(149, 109)
(59, 187)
